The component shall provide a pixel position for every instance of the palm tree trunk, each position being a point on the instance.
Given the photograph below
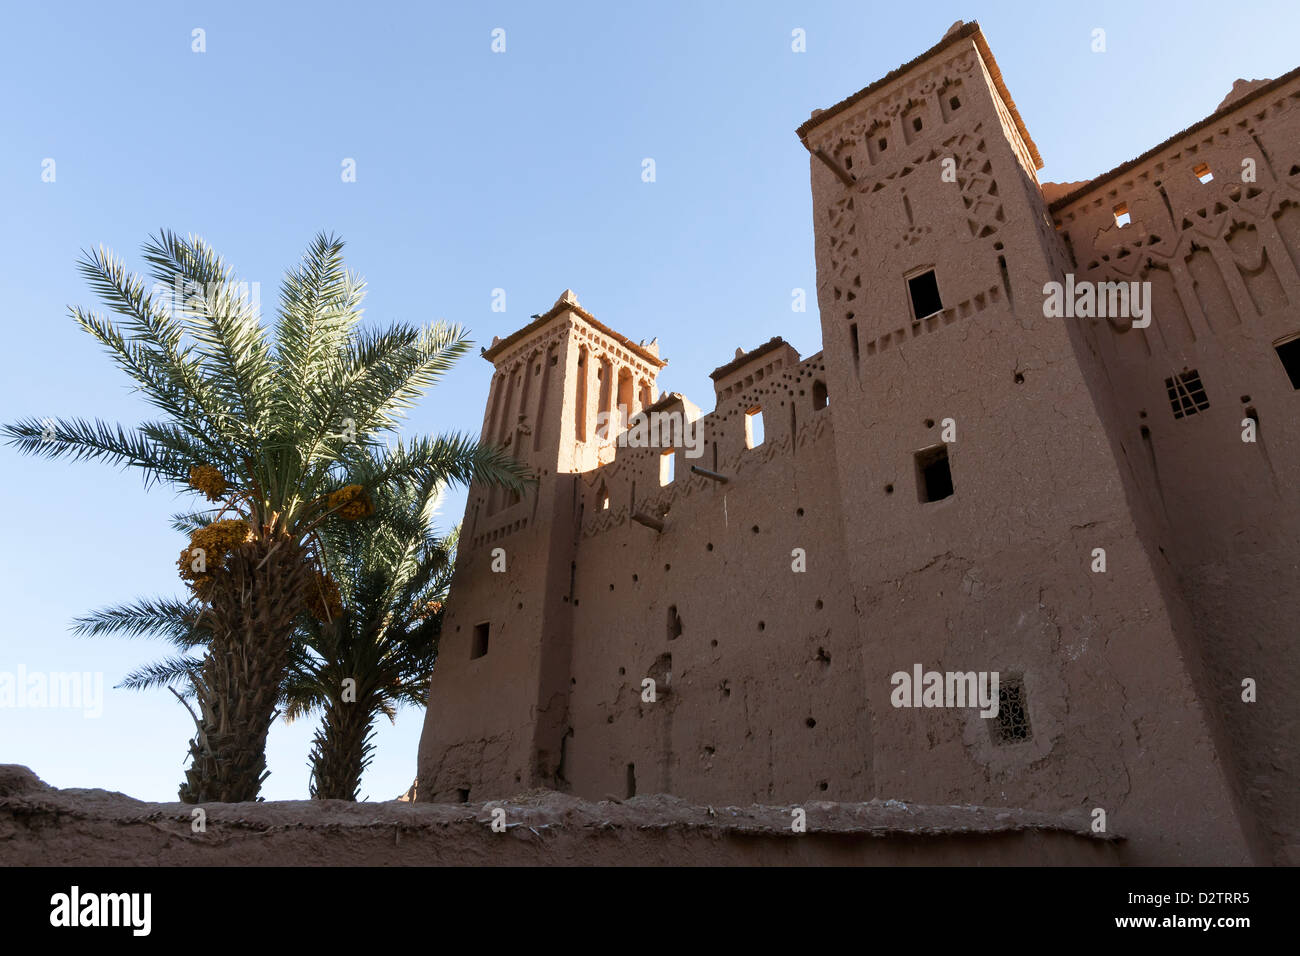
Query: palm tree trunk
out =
(253, 604)
(342, 749)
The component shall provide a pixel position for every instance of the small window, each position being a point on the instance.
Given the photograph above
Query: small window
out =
(819, 396)
(1186, 394)
(1202, 172)
(916, 123)
(754, 427)
(1289, 353)
(954, 103)
(882, 144)
(1011, 725)
(480, 646)
(933, 475)
(603, 497)
(667, 467)
(1122, 218)
(924, 291)
(674, 623)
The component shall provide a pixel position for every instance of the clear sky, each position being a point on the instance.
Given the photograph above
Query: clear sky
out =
(475, 171)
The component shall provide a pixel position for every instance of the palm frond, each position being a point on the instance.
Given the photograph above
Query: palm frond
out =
(82, 440)
(171, 672)
(179, 622)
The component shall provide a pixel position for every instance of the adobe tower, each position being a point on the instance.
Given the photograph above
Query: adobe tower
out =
(957, 482)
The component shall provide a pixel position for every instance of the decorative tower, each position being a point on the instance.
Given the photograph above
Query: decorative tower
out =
(499, 696)
(981, 487)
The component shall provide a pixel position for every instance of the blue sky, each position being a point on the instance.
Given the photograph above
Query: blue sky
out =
(475, 171)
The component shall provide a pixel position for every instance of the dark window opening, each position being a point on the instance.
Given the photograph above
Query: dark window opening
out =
(674, 623)
(820, 398)
(916, 123)
(479, 647)
(924, 290)
(1186, 394)
(1289, 354)
(631, 780)
(954, 103)
(933, 475)
(1011, 726)
(462, 794)
(882, 144)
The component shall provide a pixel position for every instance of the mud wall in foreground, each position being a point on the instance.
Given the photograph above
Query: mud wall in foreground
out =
(40, 825)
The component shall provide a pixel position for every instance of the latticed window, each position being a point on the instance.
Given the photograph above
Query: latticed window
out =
(1011, 726)
(1186, 394)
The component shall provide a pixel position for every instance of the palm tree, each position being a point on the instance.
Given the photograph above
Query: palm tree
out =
(267, 424)
(354, 661)
(393, 574)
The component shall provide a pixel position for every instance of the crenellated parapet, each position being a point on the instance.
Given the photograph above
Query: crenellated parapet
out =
(1211, 218)
(769, 405)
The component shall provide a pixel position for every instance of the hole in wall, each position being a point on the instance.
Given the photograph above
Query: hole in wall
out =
(479, 643)
(1186, 393)
(754, 432)
(674, 623)
(933, 474)
(1288, 354)
(1011, 726)
(923, 290)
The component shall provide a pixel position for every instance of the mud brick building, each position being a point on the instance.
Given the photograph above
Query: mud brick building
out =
(947, 467)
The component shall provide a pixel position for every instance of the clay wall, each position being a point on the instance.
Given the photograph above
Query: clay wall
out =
(753, 649)
(1221, 257)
